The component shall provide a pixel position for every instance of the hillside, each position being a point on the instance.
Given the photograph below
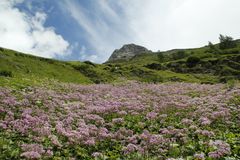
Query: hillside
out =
(205, 64)
(202, 65)
(23, 69)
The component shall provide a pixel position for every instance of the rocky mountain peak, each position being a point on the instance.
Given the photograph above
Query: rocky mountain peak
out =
(127, 52)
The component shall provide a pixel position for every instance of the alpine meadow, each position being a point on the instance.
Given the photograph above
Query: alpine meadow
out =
(63, 97)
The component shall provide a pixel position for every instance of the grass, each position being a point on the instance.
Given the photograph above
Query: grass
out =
(22, 69)
(25, 67)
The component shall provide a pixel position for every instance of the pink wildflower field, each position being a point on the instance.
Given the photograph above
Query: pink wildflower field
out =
(121, 121)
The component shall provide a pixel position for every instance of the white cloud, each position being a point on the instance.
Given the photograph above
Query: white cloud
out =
(103, 27)
(108, 24)
(168, 24)
(155, 24)
(23, 32)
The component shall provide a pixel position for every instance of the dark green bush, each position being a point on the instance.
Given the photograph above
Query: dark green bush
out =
(1, 49)
(152, 78)
(225, 79)
(89, 72)
(90, 63)
(227, 71)
(179, 55)
(160, 56)
(192, 61)
(211, 46)
(207, 82)
(212, 49)
(173, 65)
(110, 65)
(235, 58)
(85, 69)
(50, 61)
(6, 73)
(226, 42)
(155, 66)
(175, 79)
(138, 72)
(231, 51)
(106, 68)
(116, 69)
(20, 55)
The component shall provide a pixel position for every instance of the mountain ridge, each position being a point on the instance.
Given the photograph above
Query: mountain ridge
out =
(126, 52)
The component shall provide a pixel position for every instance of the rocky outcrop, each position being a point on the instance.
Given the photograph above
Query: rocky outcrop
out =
(127, 52)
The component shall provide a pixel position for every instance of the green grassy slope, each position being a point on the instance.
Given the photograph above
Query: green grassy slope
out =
(25, 68)
(213, 66)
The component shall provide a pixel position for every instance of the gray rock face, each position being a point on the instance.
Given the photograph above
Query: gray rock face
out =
(127, 52)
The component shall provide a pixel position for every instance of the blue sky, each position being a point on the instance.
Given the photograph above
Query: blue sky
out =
(93, 29)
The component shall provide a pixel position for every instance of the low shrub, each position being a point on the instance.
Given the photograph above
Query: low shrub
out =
(226, 42)
(179, 55)
(89, 72)
(153, 78)
(228, 71)
(192, 61)
(155, 66)
(160, 56)
(5, 73)
(231, 51)
(1, 49)
(90, 63)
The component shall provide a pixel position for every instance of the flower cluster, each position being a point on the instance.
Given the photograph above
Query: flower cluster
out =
(222, 149)
(120, 121)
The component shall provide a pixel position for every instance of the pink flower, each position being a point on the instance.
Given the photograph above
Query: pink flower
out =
(214, 155)
(193, 127)
(145, 135)
(90, 142)
(207, 133)
(122, 113)
(133, 139)
(156, 140)
(31, 155)
(199, 156)
(104, 133)
(3, 125)
(151, 115)
(33, 147)
(94, 118)
(130, 149)
(165, 131)
(49, 153)
(222, 149)
(97, 154)
(204, 121)
(187, 121)
(117, 120)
